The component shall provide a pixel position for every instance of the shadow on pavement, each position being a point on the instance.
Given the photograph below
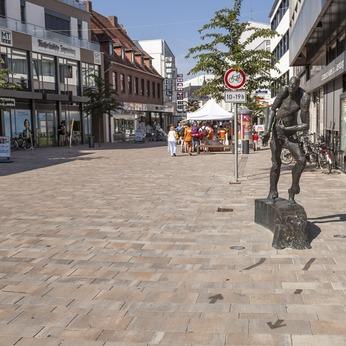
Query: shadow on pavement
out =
(329, 218)
(313, 231)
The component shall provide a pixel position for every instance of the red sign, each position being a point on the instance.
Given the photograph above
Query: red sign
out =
(234, 79)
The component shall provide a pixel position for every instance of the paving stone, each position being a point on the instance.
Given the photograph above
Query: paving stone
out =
(121, 254)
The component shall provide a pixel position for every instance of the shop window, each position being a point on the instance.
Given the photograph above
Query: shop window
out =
(43, 71)
(69, 80)
(16, 63)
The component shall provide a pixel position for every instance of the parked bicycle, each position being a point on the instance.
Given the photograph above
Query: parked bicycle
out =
(21, 142)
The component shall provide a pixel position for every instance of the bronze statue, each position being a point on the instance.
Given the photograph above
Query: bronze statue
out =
(283, 123)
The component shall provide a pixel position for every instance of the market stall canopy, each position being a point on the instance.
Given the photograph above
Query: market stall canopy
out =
(210, 111)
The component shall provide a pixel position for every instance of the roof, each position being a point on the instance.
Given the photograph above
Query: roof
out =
(210, 111)
(104, 30)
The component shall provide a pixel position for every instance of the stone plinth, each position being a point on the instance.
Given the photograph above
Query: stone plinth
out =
(287, 221)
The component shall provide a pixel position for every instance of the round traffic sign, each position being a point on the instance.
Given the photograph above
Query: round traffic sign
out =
(234, 79)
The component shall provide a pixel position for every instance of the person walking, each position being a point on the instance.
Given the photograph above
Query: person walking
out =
(255, 139)
(188, 139)
(172, 141)
(62, 133)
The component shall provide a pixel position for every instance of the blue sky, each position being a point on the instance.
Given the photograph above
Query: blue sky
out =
(175, 21)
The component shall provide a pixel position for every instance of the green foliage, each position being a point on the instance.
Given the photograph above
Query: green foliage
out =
(101, 99)
(4, 79)
(224, 49)
(192, 105)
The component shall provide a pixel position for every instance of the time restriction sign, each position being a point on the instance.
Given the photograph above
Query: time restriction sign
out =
(234, 79)
(238, 96)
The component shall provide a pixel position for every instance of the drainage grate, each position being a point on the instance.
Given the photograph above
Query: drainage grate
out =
(339, 236)
(224, 210)
(237, 247)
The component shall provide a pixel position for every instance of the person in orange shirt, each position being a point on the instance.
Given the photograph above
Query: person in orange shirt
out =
(188, 139)
(222, 135)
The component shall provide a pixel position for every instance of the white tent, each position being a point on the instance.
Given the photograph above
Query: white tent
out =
(210, 111)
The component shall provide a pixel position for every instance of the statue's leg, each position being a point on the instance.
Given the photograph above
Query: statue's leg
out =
(298, 168)
(276, 148)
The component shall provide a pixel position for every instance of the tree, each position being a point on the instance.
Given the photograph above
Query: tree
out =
(4, 79)
(101, 101)
(192, 105)
(226, 45)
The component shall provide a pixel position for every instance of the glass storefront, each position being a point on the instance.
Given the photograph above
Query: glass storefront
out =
(73, 122)
(13, 121)
(343, 125)
(46, 130)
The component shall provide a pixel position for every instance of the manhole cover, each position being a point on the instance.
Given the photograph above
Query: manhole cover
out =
(237, 247)
(339, 236)
(224, 210)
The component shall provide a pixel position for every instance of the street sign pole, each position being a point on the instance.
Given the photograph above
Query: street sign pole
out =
(236, 170)
(234, 79)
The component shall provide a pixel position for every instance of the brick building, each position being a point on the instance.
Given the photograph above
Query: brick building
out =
(129, 71)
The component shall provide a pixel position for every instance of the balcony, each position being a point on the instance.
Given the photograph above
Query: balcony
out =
(39, 32)
(74, 3)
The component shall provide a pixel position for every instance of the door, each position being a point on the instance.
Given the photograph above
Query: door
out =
(46, 128)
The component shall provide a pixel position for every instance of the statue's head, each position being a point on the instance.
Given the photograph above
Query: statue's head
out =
(293, 85)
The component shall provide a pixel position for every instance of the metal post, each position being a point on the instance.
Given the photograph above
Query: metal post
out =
(236, 176)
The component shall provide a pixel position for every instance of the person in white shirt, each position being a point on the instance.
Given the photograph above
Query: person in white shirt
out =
(172, 141)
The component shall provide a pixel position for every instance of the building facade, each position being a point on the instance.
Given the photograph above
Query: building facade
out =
(48, 56)
(279, 45)
(164, 63)
(130, 73)
(318, 53)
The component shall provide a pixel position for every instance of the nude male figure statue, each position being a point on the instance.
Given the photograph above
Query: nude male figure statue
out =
(283, 123)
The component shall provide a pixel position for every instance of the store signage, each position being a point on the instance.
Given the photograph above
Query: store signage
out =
(234, 79)
(55, 48)
(340, 66)
(180, 93)
(6, 37)
(97, 58)
(5, 147)
(235, 96)
(6, 102)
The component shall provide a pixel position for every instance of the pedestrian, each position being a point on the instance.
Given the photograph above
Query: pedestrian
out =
(62, 133)
(195, 136)
(255, 139)
(172, 141)
(188, 139)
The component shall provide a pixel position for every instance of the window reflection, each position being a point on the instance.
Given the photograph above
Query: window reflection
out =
(43, 69)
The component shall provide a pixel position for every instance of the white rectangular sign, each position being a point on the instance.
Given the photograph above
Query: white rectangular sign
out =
(235, 96)
(6, 37)
(5, 147)
(55, 48)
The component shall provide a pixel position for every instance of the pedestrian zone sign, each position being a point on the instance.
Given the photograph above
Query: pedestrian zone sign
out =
(238, 96)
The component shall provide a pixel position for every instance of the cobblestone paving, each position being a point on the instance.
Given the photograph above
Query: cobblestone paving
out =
(126, 247)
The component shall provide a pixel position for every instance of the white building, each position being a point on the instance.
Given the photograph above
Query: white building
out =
(279, 20)
(164, 63)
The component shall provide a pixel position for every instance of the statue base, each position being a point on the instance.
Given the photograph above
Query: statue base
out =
(287, 221)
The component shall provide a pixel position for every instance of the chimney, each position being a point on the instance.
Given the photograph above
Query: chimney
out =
(113, 20)
(88, 6)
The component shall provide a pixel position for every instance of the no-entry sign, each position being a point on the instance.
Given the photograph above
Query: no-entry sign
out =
(234, 79)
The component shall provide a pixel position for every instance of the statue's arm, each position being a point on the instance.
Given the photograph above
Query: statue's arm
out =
(276, 104)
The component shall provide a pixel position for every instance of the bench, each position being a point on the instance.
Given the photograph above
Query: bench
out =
(215, 147)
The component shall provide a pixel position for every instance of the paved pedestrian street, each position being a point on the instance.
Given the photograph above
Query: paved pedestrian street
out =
(124, 246)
